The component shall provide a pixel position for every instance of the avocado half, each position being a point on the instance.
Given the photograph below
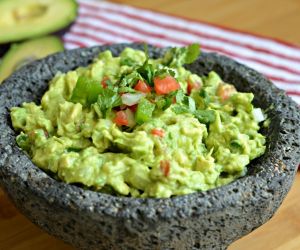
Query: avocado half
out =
(23, 19)
(26, 52)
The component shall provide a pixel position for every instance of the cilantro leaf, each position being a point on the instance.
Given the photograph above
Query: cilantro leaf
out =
(109, 83)
(179, 96)
(168, 102)
(86, 91)
(23, 141)
(176, 57)
(126, 90)
(191, 104)
(144, 111)
(205, 116)
(187, 101)
(163, 72)
(129, 79)
(164, 102)
(186, 104)
(180, 109)
(147, 71)
(192, 53)
(107, 100)
(205, 96)
(128, 61)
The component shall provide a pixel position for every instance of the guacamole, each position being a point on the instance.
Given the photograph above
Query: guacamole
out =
(134, 126)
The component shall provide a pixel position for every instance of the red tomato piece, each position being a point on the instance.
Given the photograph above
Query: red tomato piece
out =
(158, 132)
(133, 107)
(165, 167)
(121, 118)
(225, 91)
(103, 82)
(165, 85)
(192, 85)
(142, 87)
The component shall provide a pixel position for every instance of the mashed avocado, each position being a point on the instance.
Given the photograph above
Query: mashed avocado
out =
(141, 127)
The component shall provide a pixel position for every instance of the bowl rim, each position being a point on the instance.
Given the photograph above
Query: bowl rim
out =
(275, 169)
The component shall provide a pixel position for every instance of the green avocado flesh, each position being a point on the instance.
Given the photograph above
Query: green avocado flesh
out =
(23, 19)
(26, 52)
(140, 127)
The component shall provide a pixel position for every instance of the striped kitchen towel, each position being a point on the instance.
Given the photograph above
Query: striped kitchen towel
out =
(101, 22)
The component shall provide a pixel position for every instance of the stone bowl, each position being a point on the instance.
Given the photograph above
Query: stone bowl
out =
(203, 220)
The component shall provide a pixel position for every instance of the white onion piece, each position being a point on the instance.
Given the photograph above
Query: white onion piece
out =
(131, 99)
(258, 115)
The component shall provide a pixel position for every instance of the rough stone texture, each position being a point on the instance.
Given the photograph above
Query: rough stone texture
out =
(204, 220)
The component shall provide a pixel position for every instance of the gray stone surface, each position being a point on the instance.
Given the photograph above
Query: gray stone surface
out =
(204, 220)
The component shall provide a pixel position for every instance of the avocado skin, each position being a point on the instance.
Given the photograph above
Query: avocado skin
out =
(203, 220)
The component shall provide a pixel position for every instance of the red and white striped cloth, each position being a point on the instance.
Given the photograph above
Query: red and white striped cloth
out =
(101, 22)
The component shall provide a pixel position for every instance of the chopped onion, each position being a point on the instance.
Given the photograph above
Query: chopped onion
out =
(258, 115)
(131, 99)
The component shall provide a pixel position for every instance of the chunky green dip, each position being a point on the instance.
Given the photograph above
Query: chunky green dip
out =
(141, 127)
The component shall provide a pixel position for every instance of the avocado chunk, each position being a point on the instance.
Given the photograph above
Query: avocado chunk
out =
(24, 19)
(26, 52)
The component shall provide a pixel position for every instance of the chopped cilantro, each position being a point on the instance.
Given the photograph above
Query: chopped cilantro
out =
(23, 141)
(147, 72)
(168, 102)
(205, 116)
(129, 79)
(144, 111)
(186, 104)
(205, 96)
(128, 62)
(192, 53)
(108, 99)
(180, 109)
(176, 57)
(126, 90)
(179, 96)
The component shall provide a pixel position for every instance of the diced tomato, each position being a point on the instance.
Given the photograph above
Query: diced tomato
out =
(121, 118)
(142, 87)
(192, 85)
(165, 85)
(133, 107)
(225, 91)
(103, 82)
(165, 167)
(158, 132)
